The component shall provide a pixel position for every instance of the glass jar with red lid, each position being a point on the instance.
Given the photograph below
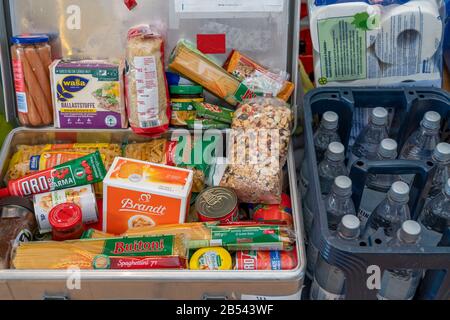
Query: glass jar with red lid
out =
(67, 222)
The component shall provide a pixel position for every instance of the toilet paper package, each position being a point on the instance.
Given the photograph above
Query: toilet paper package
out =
(358, 43)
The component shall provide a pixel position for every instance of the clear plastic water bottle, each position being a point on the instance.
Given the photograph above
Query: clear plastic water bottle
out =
(435, 217)
(402, 284)
(332, 166)
(329, 281)
(326, 134)
(338, 204)
(423, 142)
(366, 144)
(390, 214)
(441, 158)
(377, 185)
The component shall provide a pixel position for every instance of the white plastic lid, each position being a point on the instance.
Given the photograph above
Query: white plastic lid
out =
(330, 120)
(379, 116)
(432, 120)
(442, 152)
(400, 192)
(388, 149)
(350, 226)
(410, 231)
(336, 151)
(343, 185)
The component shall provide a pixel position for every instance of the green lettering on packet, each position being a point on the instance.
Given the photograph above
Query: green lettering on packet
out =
(214, 112)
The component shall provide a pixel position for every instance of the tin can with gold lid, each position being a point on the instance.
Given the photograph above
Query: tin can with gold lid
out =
(217, 204)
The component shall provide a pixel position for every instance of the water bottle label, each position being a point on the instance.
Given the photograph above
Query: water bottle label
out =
(318, 293)
(369, 202)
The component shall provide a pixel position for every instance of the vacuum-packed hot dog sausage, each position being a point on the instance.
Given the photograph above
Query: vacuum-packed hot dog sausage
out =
(33, 113)
(46, 56)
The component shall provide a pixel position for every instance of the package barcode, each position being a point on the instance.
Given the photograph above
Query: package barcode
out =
(22, 105)
(150, 124)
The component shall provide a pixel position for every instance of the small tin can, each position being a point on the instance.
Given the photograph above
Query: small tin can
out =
(217, 204)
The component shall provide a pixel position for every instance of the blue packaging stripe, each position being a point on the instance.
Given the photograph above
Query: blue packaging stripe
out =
(275, 260)
(34, 163)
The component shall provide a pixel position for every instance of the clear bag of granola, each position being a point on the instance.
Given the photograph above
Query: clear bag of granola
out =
(259, 143)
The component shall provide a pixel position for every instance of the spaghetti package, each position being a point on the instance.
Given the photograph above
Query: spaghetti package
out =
(147, 93)
(146, 252)
(258, 78)
(193, 64)
(233, 237)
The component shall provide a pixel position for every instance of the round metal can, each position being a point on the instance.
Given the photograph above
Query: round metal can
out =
(266, 260)
(217, 204)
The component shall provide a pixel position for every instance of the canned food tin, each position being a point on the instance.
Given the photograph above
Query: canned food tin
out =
(266, 260)
(83, 197)
(217, 204)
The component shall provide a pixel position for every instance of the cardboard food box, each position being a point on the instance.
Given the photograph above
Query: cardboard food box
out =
(139, 194)
(88, 94)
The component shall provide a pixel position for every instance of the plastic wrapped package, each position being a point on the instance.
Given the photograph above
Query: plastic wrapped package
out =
(232, 236)
(148, 103)
(259, 147)
(193, 64)
(149, 252)
(31, 57)
(259, 79)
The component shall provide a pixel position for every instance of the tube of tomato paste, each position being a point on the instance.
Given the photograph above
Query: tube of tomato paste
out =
(79, 172)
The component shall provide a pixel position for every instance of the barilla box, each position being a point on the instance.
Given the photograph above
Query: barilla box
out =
(88, 94)
(142, 194)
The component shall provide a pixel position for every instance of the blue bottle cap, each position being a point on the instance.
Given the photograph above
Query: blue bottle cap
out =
(30, 38)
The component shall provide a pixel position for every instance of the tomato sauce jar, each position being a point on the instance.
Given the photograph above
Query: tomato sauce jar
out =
(67, 222)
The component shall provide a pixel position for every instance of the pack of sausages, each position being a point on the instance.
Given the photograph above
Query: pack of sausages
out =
(31, 58)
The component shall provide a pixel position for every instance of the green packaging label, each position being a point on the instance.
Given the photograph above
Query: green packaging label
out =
(205, 124)
(243, 93)
(343, 46)
(141, 246)
(251, 238)
(213, 112)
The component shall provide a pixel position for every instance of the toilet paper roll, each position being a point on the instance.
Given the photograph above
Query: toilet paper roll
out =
(327, 14)
(412, 30)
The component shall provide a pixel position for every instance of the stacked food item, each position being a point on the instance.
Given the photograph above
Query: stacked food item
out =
(152, 202)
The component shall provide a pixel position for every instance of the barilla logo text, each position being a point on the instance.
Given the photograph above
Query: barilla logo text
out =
(52, 180)
(143, 206)
(138, 246)
(70, 85)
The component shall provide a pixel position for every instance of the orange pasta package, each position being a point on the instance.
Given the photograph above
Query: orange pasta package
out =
(139, 194)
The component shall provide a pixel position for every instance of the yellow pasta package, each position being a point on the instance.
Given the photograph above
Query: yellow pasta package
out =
(146, 252)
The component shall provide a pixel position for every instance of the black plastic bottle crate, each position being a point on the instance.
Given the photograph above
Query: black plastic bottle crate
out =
(409, 106)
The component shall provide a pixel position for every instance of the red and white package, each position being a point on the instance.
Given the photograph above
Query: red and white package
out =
(147, 94)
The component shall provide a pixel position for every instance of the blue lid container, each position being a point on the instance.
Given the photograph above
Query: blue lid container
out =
(30, 38)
